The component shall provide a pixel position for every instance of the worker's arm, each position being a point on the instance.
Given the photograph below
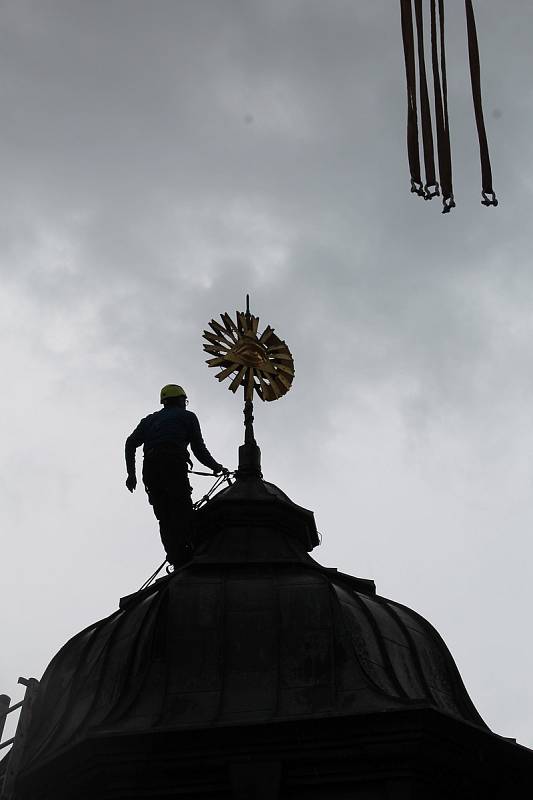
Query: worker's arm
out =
(198, 446)
(133, 441)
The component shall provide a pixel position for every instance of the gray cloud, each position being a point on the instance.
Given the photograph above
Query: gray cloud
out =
(157, 164)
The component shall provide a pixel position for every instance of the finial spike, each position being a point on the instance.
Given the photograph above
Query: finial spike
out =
(259, 362)
(249, 452)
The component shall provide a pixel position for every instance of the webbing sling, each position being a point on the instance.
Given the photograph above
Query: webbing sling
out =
(429, 187)
(487, 192)
(412, 116)
(441, 107)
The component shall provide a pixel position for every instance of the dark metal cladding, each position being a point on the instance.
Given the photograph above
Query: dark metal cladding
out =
(253, 631)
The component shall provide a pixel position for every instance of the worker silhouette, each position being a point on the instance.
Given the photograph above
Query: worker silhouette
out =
(165, 435)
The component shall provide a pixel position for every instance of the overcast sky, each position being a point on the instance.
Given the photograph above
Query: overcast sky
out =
(159, 160)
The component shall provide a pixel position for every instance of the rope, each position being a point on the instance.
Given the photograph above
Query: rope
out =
(207, 474)
(153, 576)
(218, 482)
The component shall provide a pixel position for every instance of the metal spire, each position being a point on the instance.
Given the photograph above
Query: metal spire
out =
(259, 363)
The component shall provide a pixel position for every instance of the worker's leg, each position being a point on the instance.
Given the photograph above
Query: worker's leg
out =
(169, 492)
(180, 540)
(157, 488)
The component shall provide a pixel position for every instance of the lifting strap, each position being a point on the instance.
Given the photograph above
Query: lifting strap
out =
(412, 116)
(487, 192)
(429, 187)
(440, 89)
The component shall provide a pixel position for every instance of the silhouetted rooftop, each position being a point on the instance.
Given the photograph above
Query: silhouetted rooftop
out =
(253, 630)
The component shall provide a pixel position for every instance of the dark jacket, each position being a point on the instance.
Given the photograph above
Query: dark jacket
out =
(170, 429)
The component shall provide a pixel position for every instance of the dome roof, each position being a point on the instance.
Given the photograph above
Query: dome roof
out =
(252, 631)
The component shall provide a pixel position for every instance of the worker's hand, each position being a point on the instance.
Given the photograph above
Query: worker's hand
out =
(131, 482)
(219, 469)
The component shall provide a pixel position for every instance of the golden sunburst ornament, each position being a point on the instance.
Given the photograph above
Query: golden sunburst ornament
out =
(260, 362)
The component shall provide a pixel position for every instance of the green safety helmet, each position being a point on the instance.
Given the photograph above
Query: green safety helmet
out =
(172, 390)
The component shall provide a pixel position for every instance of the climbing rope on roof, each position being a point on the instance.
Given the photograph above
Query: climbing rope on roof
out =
(225, 476)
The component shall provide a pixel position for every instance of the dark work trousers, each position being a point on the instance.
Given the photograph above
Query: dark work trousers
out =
(169, 492)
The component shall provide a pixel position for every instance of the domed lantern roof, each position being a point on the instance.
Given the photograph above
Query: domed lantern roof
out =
(255, 654)
(252, 631)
